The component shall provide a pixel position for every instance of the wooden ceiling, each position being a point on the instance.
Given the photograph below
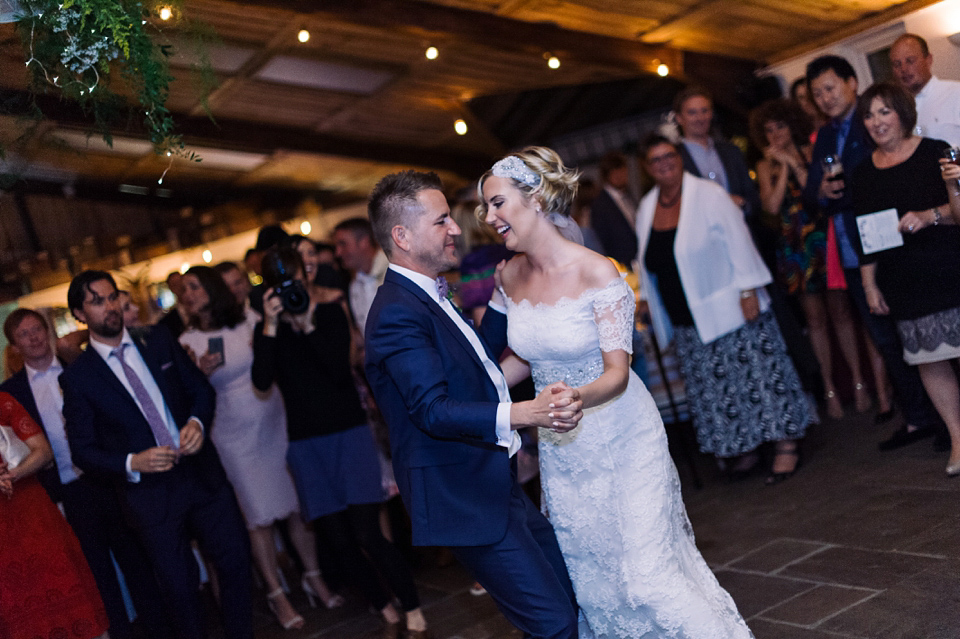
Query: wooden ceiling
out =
(384, 104)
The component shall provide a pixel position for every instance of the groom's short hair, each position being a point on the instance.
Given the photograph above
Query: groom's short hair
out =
(394, 199)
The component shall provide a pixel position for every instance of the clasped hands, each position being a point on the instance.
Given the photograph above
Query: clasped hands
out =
(160, 459)
(557, 407)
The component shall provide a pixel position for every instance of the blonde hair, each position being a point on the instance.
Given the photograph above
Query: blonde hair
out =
(557, 186)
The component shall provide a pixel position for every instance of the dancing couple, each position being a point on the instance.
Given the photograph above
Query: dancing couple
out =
(620, 538)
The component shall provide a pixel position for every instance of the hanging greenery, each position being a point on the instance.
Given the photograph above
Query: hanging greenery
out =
(94, 52)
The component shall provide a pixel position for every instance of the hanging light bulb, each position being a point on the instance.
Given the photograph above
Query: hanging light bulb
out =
(432, 53)
(207, 256)
(305, 228)
(553, 62)
(303, 35)
(663, 70)
(460, 127)
(165, 13)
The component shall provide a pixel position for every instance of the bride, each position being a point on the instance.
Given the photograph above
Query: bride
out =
(611, 489)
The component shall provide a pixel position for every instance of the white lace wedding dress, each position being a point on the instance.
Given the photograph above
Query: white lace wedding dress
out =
(611, 489)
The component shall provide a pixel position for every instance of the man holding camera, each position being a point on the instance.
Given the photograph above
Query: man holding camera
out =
(134, 410)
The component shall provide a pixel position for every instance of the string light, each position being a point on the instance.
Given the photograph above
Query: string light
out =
(207, 256)
(166, 13)
(663, 70)
(305, 228)
(460, 127)
(303, 36)
(553, 62)
(432, 53)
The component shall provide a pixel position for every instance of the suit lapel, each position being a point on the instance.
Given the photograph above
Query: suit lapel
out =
(434, 308)
(150, 358)
(101, 368)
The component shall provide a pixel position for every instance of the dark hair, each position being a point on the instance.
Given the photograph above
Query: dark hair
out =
(225, 267)
(924, 49)
(359, 226)
(610, 162)
(81, 284)
(796, 84)
(280, 264)
(691, 91)
(780, 110)
(224, 309)
(269, 236)
(14, 319)
(893, 96)
(325, 246)
(392, 200)
(835, 63)
(654, 139)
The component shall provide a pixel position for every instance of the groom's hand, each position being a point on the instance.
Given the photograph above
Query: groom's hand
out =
(557, 407)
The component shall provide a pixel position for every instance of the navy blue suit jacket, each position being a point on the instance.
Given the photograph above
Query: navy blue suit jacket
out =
(856, 148)
(19, 388)
(104, 423)
(738, 175)
(441, 407)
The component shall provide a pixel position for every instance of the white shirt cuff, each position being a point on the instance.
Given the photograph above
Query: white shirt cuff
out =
(203, 430)
(132, 476)
(506, 436)
(497, 307)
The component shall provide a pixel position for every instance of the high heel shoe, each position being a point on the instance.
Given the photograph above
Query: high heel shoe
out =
(775, 477)
(953, 470)
(861, 399)
(292, 623)
(333, 600)
(834, 407)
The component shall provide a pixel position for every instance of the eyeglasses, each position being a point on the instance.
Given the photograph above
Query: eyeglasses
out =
(666, 157)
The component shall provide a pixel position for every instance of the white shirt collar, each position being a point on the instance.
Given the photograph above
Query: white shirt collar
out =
(105, 349)
(928, 87)
(33, 373)
(428, 285)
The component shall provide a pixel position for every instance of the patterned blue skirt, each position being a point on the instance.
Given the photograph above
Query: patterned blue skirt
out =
(742, 388)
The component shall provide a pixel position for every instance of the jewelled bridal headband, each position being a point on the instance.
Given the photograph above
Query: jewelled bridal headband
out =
(513, 167)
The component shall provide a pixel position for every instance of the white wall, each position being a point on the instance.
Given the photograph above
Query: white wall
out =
(933, 23)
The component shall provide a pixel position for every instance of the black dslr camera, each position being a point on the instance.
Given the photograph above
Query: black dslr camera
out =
(292, 293)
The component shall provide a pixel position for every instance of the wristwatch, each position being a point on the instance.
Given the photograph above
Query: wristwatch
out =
(936, 215)
(747, 294)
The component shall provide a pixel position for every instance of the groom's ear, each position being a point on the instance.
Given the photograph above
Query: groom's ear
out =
(401, 237)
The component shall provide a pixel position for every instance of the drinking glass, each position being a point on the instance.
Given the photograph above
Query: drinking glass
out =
(953, 155)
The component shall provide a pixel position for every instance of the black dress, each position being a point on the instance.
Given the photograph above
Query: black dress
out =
(919, 280)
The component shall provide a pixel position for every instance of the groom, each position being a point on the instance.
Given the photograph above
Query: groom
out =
(452, 426)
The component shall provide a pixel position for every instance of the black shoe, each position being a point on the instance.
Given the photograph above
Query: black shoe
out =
(885, 416)
(775, 478)
(903, 437)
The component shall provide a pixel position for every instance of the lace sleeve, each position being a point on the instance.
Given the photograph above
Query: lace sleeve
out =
(15, 416)
(613, 310)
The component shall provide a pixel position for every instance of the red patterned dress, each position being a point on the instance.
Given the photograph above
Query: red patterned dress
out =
(46, 589)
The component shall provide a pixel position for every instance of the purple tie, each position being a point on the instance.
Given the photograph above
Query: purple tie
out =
(150, 411)
(443, 288)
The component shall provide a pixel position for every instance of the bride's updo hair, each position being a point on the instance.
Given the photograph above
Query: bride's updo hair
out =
(538, 172)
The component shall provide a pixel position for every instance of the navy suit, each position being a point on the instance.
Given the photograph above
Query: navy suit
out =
(93, 511)
(459, 486)
(104, 425)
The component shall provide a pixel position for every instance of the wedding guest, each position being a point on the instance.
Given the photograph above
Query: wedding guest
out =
(89, 502)
(249, 431)
(914, 284)
(46, 589)
(742, 387)
(833, 85)
(359, 252)
(332, 455)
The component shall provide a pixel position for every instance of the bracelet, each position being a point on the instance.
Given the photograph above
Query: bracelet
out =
(936, 215)
(747, 294)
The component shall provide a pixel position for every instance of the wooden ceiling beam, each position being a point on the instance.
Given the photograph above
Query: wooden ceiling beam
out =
(258, 137)
(482, 29)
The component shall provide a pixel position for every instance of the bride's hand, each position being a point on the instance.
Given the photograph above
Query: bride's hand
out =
(566, 405)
